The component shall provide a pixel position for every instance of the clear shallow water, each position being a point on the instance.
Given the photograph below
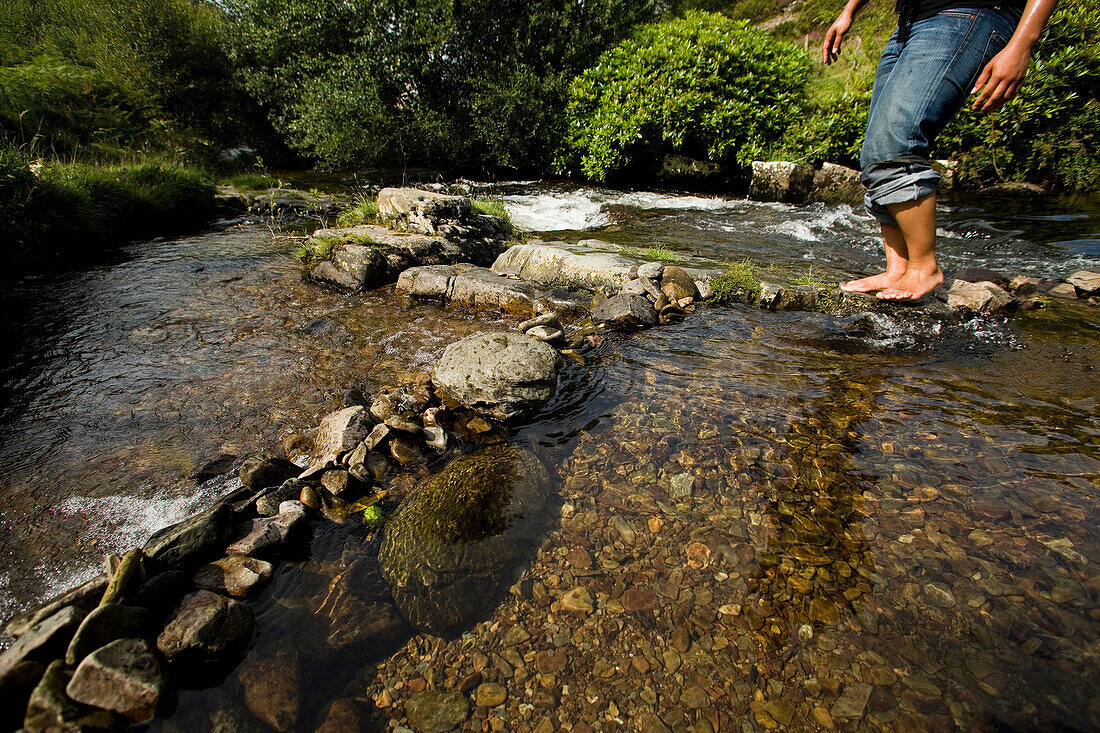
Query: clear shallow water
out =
(920, 500)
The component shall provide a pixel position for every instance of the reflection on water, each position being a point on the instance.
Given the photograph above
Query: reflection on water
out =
(766, 519)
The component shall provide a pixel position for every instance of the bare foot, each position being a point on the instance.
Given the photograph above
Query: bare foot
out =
(913, 285)
(872, 283)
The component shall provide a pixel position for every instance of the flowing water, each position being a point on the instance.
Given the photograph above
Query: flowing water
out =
(897, 524)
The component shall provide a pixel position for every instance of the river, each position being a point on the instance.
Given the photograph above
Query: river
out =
(948, 472)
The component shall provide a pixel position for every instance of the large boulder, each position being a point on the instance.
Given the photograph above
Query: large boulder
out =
(561, 265)
(479, 288)
(124, 677)
(781, 180)
(192, 540)
(207, 629)
(103, 625)
(413, 210)
(836, 184)
(450, 549)
(625, 312)
(502, 375)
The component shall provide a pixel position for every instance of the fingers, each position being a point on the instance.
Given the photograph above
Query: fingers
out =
(996, 97)
(830, 48)
(983, 77)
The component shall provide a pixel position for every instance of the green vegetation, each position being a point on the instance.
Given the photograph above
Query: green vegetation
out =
(660, 255)
(738, 284)
(253, 182)
(703, 86)
(363, 211)
(316, 251)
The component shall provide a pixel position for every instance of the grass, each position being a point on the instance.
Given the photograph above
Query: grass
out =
(363, 211)
(660, 255)
(316, 252)
(71, 206)
(739, 283)
(808, 278)
(252, 182)
(495, 207)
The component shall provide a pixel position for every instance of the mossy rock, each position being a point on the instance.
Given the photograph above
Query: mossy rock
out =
(449, 549)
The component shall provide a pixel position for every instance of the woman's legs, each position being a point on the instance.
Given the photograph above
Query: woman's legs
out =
(897, 259)
(917, 225)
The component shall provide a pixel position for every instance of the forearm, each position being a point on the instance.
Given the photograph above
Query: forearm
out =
(1035, 17)
(853, 7)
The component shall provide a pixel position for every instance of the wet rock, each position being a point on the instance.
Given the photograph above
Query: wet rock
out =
(478, 288)
(271, 684)
(211, 468)
(432, 711)
(637, 599)
(377, 434)
(435, 437)
(982, 274)
(192, 540)
(124, 677)
(681, 485)
(268, 536)
(625, 313)
(338, 432)
(677, 284)
(577, 600)
(50, 708)
(412, 210)
(852, 701)
(43, 642)
(359, 608)
(651, 270)
(983, 297)
(103, 625)
(450, 547)
(335, 481)
(780, 181)
(547, 335)
(635, 287)
(562, 265)
(836, 184)
(1063, 290)
(259, 472)
(345, 715)
(406, 450)
(1086, 282)
(502, 375)
(206, 630)
(489, 695)
(267, 504)
(236, 575)
(85, 597)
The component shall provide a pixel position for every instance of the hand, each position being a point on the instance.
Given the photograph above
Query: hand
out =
(830, 47)
(1001, 78)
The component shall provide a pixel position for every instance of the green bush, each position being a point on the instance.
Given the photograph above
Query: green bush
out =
(703, 86)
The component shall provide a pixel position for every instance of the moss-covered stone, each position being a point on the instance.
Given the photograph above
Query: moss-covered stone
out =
(451, 545)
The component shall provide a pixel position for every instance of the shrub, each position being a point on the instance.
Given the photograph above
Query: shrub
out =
(703, 86)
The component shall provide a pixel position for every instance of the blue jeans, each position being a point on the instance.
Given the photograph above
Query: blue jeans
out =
(921, 83)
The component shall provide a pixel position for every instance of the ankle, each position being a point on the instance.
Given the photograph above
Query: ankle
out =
(928, 267)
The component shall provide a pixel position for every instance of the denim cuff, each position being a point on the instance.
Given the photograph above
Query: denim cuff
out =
(896, 184)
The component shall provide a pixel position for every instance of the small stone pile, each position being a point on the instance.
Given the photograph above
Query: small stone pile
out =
(656, 294)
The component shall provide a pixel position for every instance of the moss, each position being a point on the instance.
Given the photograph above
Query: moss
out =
(739, 283)
(363, 211)
(317, 250)
(660, 255)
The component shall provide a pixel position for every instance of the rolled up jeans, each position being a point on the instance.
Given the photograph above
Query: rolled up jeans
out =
(921, 83)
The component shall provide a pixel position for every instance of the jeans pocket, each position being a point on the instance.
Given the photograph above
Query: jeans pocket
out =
(993, 46)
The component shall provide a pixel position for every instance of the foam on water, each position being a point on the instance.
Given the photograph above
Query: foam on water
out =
(586, 208)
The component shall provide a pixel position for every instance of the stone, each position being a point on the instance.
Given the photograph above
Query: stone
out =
(1086, 282)
(852, 701)
(413, 210)
(681, 485)
(43, 642)
(336, 481)
(267, 504)
(345, 715)
(478, 288)
(237, 575)
(1063, 290)
(377, 434)
(338, 432)
(982, 274)
(49, 706)
(781, 710)
(651, 270)
(489, 695)
(85, 597)
(193, 540)
(433, 711)
(547, 334)
(448, 551)
(677, 284)
(780, 181)
(562, 265)
(500, 375)
(577, 600)
(405, 450)
(259, 472)
(270, 680)
(638, 599)
(625, 313)
(982, 297)
(124, 677)
(635, 287)
(837, 184)
(103, 625)
(270, 536)
(206, 630)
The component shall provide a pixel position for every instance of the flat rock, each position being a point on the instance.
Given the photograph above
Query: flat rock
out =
(625, 313)
(852, 701)
(237, 575)
(338, 432)
(260, 472)
(43, 642)
(501, 375)
(192, 540)
(980, 297)
(271, 682)
(780, 180)
(85, 596)
(103, 625)
(837, 184)
(1086, 282)
(481, 289)
(124, 677)
(982, 274)
(433, 711)
(50, 708)
(268, 536)
(206, 629)
(558, 265)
